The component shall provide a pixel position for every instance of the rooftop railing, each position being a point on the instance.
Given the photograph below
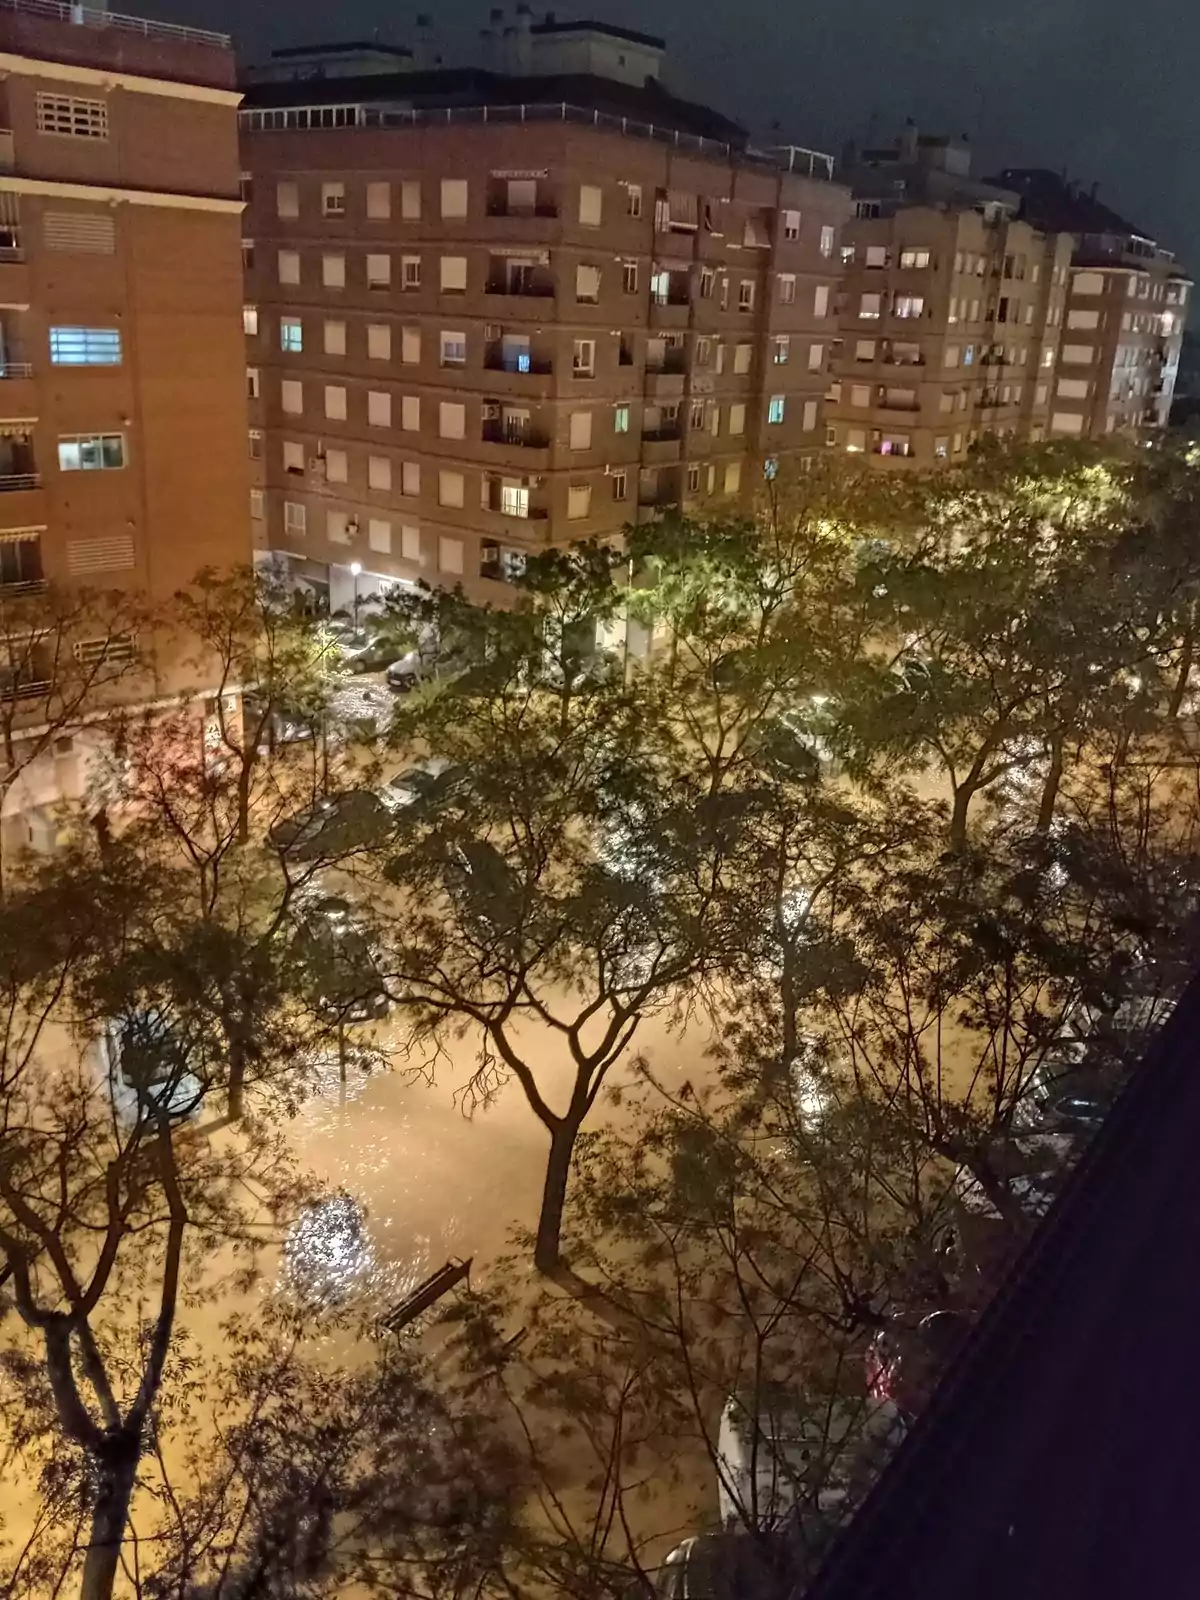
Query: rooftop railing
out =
(89, 17)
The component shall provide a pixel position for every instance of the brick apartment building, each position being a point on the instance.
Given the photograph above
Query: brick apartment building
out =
(494, 309)
(122, 424)
(1125, 313)
(950, 309)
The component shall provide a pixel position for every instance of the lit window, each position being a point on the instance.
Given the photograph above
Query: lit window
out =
(629, 277)
(453, 349)
(333, 199)
(775, 408)
(821, 300)
(257, 510)
(908, 305)
(75, 118)
(256, 444)
(454, 197)
(454, 274)
(514, 499)
(746, 295)
(827, 239)
(579, 501)
(781, 349)
(633, 199)
(870, 306)
(914, 258)
(291, 335)
(333, 270)
(93, 347)
(289, 266)
(379, 272)
(91, 452)
(816, 357)
(295, 517)
(621, 419)
(291, 396)
(791, 224)
(253, 383)
(287, 200)
(410, 272)
(583, 359)
(250, 321)
(587, 284)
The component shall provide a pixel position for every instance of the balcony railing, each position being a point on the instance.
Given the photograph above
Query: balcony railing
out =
(537, 291)
(501, 208)
(533, 364)
(15, 369)
(24, 688)
(10, 481)
(521, 439)
(87, 17)
(17, 588)
(662, 435)
(672, 364)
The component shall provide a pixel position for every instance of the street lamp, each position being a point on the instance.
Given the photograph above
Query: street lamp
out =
(355, 569)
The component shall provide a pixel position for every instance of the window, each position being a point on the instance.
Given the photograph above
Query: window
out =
(451, 488)
(257, 505)
(335, 338)
(737, 418)
(860, 395)
(253, 383)
(379, 341)
(337, 527)
(941, 448)
(91, 452)
(816, 357)
(914, 258)
(295, 518)
(410, 478)
(1088, 283)
(870, 306)
(256, 444)
(952, 313)
(856, 440)
(950, 355)
(333, 199)
(587, 284)
(1072, 388)
(620, 419)
(591, 202)
(291, 396)
(454, 274)
(791, 224)
(379, 472)
(94, 347)
(821, 300)
(87, 232)
(629, 277)
(379, 201)
(877, 255)
(452, 346)
(452, 419)
(946, 401)
(410, 272)
(583, 359)
(410, 199)
(742, 355)
(620, 485)
(733, 477)
(864, 350)
(776, 407)
(250, 321)
(780, 349)
(335, 402)
(333, 270)
(379, 535)
(337, 466)
(293, 458)
(693, 480)
(1066, 422)
(454, 197)
(908, 305)
(450, 552)
(410, 413)
(287, 200)
(67, 114)
(633, 199)
(968, 355)
(725, 291)
(291, 335)
(703, 352)
(1079, 355)
(289, 266)
(379, 408)
(1083, 319)
(581, 430)
(720, 361)
(379, 271)
(746, 295)
(696, 415)
(579, 501)
(810, 415)
(827, 241)
(410, 346)
(410, 543)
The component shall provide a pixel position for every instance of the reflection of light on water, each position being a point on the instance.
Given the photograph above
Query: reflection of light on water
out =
(327, 1253)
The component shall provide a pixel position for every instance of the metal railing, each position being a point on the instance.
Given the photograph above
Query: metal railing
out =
(10, 481)
(25, 688)
(536, 291)
(88, 17)
(15, 369)
(18, 587)
(791, 158)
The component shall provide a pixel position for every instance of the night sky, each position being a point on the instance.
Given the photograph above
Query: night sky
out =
(1105, 88)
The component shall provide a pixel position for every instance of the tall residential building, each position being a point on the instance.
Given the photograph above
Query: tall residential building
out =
(949, 309)
(1125, 313)
(122, 439)
(491, 310)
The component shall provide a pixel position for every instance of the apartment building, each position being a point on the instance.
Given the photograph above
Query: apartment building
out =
(490, 310)
(1124, 317)
(949, 309)
(122, 423)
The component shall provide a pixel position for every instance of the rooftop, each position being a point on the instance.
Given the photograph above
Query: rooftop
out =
(53, 30)
(341, 46)
(1053, 202)
(552, 25)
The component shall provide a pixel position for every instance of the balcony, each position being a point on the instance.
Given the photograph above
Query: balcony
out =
(519, 288)
(661, 446)
(515, 438)
(16, 482)
(523, 365)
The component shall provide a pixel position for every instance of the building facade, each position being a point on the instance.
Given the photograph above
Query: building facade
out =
(949, 310)
(1124, 317)
(487, 313)
(122, 424)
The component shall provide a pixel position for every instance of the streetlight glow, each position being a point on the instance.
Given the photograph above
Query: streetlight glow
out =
(355, 568)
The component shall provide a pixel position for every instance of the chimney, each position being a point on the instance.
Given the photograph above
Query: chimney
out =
(523, 42)
(908, 143)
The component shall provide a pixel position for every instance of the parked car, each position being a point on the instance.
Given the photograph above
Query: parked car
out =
(366, 648)
(148, 1066)
(906, 1358)
(737, 1566)
(333, 826)
(423, 780)
(779, 1457)
(343, 958)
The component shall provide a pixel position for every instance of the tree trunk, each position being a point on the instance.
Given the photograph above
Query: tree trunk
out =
(547, 1254)
(243, 798)
(963, 796)
(236, 1093)
(1179, 693)
(116, 1468)
(1050, 787)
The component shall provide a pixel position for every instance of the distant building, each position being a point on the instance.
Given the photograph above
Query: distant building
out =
(1126, 307)
(491, 309)
(949, 308)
